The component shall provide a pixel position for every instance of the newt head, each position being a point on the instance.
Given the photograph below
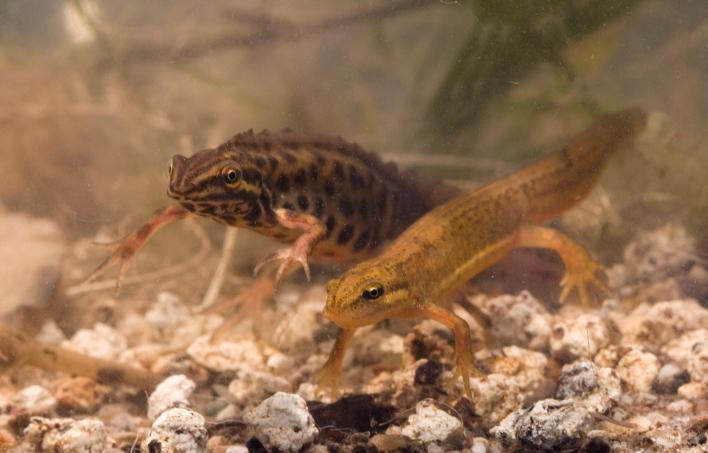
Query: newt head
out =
(366, 294)
(225, 186)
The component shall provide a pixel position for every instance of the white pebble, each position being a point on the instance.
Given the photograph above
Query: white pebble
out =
(637, 369)
(664, 321)
(280, 363)
(36, 399)
(283, 422)
(171, 392)
(693, 391)
(101, 342)
(226, 355)
(50, 333)
(256, 385)
(431, 424)
(67, 435)
(177, 430)
(520, 320)
(698, 364)
(580, 336)
(680, 350)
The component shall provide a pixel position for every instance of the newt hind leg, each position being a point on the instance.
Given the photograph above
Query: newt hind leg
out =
(581, 271)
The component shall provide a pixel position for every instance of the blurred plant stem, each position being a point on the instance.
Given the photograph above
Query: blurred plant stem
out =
(509, 39)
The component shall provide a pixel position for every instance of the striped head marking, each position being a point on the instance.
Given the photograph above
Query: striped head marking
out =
(226, 186)
(367, 293)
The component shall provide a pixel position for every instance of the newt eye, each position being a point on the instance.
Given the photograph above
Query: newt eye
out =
(231, 176)
(373, 291)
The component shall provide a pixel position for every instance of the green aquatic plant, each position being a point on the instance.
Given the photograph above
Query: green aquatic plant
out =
(508, 39)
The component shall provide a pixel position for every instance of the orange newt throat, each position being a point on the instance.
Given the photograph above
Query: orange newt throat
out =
(449, 245)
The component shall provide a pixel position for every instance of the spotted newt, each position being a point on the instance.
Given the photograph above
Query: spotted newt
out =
(326, 197)
(450, 244)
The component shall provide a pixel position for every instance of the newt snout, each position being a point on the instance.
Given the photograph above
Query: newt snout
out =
(178, 186)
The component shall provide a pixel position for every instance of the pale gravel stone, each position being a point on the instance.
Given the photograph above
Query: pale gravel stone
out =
(519, 320)
(256, 385)
(515, 374)
(280, 363)
(67, 435)
(177, 430)
(35, 399)
(663, 322)
(30, 260)
(698, 363)
(171, 392)
(101, 342)
(283, 422)
(226, 355)
(680, 350)
(431, 424)
(579, 336)
(693, 391)
(638, 369)
(50, 333)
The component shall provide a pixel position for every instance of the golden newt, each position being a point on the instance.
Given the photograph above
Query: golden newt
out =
(327, 197)
(450, 244)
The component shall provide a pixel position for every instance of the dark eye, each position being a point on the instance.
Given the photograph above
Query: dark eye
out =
(373, 291)
(232, 176)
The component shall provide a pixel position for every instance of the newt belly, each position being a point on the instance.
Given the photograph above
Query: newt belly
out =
(455, 241)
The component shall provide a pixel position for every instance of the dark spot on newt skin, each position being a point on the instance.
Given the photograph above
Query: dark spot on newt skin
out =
(289, 206)
(362, 241)
(345, 235)
(357, 181)
(345, 205)
(313, 172)
(265, 200)
(250, 175)
(381, 202)
(364, 209)
(329, 188)
(289, 158)
(303, 203)
(299, 177)
(260, 162)
(319, 207)
(254, 214)
(338, 169)
(273, 163)
(188, 206)
(144, 231)
(282, 184)
(375, 239)
(320, 159)
(331, 224)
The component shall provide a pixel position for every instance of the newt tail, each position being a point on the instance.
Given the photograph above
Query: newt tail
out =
(449, 245)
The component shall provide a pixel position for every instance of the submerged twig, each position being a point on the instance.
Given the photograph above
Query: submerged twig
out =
(217, 280)
(160, 273)
(17, 348)
(268, 33)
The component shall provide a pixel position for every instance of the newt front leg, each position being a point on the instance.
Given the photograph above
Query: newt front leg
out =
(313, 231)
(332, 370)
(128, 246)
